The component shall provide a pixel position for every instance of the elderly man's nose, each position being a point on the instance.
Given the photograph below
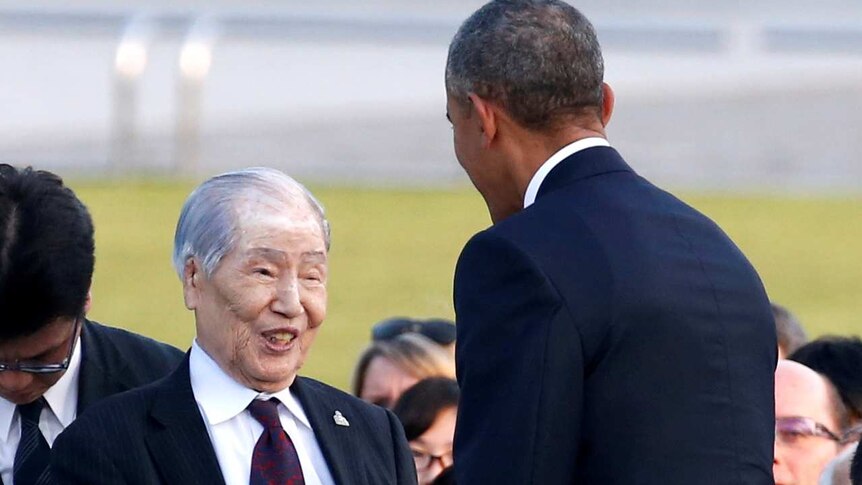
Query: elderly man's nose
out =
(287, 300)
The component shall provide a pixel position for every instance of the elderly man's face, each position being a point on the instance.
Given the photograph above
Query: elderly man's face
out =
(259, 312)
(801, 392)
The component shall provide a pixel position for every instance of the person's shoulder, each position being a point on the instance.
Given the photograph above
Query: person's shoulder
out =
(119, 343)
(116, 412)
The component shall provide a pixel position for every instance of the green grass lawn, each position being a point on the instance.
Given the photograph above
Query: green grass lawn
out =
(394, 252)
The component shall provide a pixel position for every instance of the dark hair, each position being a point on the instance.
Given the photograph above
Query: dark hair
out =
(540, 59)
(840, 360)
(446, 477)
(788, 329)
(46, 251)
(419, 406)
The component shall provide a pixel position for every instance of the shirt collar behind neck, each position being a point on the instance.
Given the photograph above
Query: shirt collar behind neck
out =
(222, 398)
(556, 158)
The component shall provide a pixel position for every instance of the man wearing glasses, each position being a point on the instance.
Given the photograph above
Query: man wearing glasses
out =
(811, 424)
(54, 363)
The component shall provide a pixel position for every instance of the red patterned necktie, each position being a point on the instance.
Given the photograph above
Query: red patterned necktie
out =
(274, 461)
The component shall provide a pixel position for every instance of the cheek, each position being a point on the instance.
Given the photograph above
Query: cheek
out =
(315, 306)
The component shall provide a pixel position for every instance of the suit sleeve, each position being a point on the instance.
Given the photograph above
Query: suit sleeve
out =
(75, 460)
(520, 369)
(405, 468)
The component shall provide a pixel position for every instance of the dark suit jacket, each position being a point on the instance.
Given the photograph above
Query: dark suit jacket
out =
(114, 360)
(156, 434)
(610, 334)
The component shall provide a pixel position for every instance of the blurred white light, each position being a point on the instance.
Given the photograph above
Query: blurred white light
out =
(131, 59)
(195, 60)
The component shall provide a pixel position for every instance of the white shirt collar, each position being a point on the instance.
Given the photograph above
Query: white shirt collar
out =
(556, 158)
(222, 398)
(62, 397)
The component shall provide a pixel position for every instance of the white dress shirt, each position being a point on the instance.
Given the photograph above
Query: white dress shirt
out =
(556, 158)
(62, 399)
(233, 431)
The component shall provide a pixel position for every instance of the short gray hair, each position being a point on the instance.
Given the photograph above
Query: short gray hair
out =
(540, 59)
(208, 224)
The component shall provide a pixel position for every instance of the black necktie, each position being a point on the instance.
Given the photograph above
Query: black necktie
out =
(31, 458)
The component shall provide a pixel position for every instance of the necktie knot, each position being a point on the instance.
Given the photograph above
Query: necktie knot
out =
(265, 412)
(31, 411)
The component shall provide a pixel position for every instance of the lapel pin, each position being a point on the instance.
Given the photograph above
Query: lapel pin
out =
(340, 419)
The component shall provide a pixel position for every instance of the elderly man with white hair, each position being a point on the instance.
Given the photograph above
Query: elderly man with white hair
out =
(251, 249)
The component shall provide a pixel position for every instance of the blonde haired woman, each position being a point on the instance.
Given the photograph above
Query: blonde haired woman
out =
(388, 367)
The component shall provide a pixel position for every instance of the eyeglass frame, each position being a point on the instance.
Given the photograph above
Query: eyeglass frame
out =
(46, 368)
(430, 457)
(820, 430)
(439, 330)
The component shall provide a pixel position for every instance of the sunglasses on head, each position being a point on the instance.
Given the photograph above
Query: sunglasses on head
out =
(437, 329)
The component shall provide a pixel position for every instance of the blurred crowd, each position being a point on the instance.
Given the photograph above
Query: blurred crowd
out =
(409, 367)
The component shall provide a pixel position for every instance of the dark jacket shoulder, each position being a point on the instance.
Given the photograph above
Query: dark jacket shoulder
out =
(115, 360)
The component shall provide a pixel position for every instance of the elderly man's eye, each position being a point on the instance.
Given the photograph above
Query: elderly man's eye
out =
(263, 272)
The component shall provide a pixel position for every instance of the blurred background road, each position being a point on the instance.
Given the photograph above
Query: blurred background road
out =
(762, 95)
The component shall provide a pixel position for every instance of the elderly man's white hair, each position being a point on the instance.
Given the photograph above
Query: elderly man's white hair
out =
(208, 224)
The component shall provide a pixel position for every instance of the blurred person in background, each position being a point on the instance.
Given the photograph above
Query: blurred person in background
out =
(428, 411)
(608, 333)
(811, 424)
(837, 472)
(789, 331)
(388, 367)
(251, 249)
(54, 362)
(439, 330)
(840, 360)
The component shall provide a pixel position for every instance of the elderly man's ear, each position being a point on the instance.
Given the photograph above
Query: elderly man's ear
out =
(191, 283)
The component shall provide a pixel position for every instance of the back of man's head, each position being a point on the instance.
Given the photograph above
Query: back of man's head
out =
(788, 330)
(46, 251)
(840, 360)
(539, 59)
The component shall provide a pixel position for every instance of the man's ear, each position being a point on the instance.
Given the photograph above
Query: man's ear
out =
(192, 275)
(487, 118)
(88, 302)
(607, 103)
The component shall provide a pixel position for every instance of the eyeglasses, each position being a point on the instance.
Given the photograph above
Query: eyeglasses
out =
(36, 368)
(789, 430)
(437, 329)
(424, 460)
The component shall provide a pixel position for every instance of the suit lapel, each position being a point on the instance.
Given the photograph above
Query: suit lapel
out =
(338, 443)
(178, 441)
(580, 165)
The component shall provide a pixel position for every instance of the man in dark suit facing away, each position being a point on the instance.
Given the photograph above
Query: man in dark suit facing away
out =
(607, 332)
(54, 363)
(251, 249)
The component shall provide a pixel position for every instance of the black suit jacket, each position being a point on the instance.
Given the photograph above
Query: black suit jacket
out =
(114, 360)
(610, 334)
(156, 434)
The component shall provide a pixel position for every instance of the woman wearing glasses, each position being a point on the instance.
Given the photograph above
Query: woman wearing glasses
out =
(428, 411)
